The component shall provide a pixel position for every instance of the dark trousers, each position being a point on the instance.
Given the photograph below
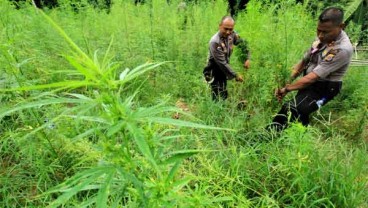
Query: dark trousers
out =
(218, 86)
(218, 89)
(304, 103)
(217, 80)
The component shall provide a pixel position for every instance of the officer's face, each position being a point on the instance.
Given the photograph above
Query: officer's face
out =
(226, 27)
(328, 32)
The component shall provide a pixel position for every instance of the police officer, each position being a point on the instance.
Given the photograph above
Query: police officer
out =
(323, 67)
(218, 70)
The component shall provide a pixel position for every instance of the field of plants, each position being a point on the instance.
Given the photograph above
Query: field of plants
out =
(110, 109)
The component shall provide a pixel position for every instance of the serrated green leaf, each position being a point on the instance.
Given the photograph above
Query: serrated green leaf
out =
(142, 144)
(103, 193)
(115, 128)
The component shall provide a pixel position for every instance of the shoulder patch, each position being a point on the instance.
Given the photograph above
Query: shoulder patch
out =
(329, 57)
(218, 46)
(222, 47)
(331, 54)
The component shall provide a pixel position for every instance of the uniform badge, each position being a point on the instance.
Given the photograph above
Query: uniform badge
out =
(329, 57)
(224, 47)
(324, 53)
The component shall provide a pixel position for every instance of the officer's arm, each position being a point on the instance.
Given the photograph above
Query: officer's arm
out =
(300, 84)
(333, 62)
(220, 59)
(297, 69)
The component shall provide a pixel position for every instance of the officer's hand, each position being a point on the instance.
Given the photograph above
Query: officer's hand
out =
(239, 78)
(280, 93)
(247, 64)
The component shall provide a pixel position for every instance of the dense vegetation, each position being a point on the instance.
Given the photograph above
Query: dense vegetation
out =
(88, 98)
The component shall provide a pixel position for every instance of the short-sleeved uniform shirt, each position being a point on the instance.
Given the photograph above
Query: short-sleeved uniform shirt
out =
(330, 62)
(220, 51)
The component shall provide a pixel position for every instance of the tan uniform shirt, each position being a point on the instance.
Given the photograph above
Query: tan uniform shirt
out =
(330, 62)
(221, 50)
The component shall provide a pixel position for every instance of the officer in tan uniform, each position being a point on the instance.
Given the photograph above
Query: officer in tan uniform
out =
(323, 67)
(218, 69)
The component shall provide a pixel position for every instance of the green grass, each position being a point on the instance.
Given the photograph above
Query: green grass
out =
(87, 100)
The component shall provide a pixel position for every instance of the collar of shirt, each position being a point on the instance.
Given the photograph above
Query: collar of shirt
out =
(337, 41)
(340, 37)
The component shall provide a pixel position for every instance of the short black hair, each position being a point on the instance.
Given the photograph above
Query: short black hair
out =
(225, 18)
(332, 14)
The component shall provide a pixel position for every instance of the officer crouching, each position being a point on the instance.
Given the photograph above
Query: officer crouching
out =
(323, 68)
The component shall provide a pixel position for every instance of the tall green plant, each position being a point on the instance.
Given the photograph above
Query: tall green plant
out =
(147, 174)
